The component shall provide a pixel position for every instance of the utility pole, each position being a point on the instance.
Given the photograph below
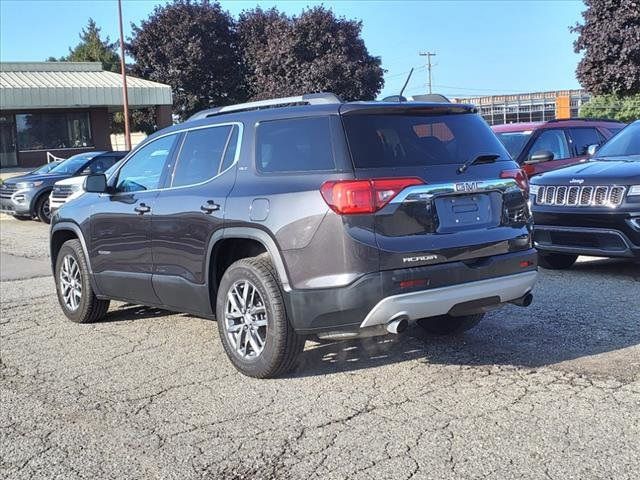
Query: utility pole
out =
(428, 55)
(125, 95)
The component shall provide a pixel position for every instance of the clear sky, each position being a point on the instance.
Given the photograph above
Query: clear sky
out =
(483, 47)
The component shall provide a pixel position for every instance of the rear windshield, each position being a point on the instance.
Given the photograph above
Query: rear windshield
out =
(378, 141)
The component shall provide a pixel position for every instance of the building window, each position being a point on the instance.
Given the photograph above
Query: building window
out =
(43, 131)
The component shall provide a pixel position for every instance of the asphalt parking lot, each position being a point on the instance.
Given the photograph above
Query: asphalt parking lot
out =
(552, 391)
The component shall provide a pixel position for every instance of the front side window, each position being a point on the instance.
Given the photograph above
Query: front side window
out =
(41, 131)
(583, 137)
(553, 141)
(144, 169)
(100, 164)
(295, 145)
(201, 155)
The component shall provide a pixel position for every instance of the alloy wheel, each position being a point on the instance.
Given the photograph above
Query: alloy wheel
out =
(245, 319)
(71, 282)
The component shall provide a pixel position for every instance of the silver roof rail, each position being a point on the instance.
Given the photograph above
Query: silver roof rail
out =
(306, 99)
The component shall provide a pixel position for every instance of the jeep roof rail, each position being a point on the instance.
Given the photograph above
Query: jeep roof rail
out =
(306, 99)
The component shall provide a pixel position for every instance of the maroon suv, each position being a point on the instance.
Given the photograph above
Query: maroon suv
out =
(543, 146)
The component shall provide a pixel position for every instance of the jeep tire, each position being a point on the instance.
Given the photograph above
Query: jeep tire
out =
(265, 346)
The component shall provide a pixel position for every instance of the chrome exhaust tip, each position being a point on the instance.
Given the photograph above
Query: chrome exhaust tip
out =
(523, 301)
(398, 325)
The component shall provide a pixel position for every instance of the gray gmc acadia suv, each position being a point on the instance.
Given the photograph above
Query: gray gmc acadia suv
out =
(304, 216)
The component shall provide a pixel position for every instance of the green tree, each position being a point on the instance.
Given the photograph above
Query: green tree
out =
(313, 52)
(92, 48)
(192, 46)
(610, 40)
(616, 107)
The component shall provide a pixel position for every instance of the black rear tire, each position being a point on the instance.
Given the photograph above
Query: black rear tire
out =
(43, 212)
(282, 345)
(556, 261)
(90, 308)
(449, 325)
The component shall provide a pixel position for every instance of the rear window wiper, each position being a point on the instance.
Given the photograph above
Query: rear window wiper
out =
(482, 158)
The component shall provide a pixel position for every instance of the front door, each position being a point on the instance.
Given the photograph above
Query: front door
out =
(121, 254)
(189, 212)
(8, 150)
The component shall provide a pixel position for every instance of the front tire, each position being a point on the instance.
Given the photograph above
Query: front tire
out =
(73, 286)
(43, 212)
(252, 321)
(556, 261)
(448, 324)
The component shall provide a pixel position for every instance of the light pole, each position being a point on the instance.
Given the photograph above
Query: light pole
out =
(125, 95)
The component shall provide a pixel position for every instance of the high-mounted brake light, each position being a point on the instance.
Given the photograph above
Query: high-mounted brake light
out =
(519, 176)
(348, 197)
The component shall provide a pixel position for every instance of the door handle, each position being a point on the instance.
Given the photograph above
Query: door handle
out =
(209, 207)
(142, 209)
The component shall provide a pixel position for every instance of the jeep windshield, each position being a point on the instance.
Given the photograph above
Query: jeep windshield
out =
(412, 140)
(514, 142)
(625, 143)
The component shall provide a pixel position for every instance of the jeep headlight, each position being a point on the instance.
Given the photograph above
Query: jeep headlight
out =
(27, 185)
(76, 188)
(634, 190)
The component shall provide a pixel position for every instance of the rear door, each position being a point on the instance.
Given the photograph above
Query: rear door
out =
(451, 216)
(189, 211)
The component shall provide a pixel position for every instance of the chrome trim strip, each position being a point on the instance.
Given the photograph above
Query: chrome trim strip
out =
(439, 301)
(427, 191)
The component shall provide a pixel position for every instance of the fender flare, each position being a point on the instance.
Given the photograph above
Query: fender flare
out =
(254, 234)
(70, 226)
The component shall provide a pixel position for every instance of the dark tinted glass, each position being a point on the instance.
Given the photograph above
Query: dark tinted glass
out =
(295, 145)
(144, 169)
(38, 131)
(419, 140)
(200, 155)
(583, 137)
(627, 142)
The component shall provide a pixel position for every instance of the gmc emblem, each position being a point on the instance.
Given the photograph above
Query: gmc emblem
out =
(467, 186)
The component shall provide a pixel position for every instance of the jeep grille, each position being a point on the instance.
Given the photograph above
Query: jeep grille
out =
(587, 196)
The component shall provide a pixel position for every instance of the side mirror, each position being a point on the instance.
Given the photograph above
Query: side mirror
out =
(539, 157)
(96, 183)
(592, 149)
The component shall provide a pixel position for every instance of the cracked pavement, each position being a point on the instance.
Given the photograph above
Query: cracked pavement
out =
(552, 391)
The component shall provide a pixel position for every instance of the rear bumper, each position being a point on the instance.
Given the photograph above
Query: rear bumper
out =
(440, 301)
(374, 298)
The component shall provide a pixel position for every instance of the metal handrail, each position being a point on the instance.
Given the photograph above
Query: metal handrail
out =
(52, 158)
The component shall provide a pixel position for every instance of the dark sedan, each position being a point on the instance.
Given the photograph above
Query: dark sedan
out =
(592, 208)
(27, 196)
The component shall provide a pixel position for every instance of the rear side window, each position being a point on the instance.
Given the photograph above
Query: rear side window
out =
(393, 140)
(294, 145)
(583, 137)
(100, 164)
(201, 155)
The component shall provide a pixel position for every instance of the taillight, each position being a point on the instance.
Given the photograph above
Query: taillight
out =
(519, 176)
(348, 197)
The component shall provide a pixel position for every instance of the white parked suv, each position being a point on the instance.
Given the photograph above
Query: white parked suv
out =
(70, 188)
